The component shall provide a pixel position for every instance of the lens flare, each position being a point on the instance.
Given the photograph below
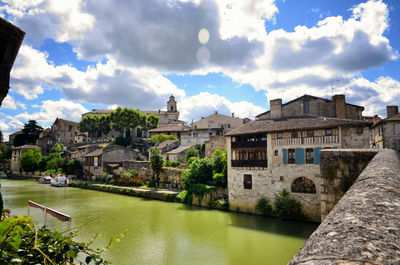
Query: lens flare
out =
(203, 55)
(204, 36)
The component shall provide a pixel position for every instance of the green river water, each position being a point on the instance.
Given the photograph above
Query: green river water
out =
(162, 232)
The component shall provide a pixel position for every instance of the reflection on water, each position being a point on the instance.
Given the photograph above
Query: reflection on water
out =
(162, 232)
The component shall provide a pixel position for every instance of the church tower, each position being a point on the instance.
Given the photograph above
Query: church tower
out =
(171, 104)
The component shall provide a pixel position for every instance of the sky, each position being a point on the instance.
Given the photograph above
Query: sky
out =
(230, 56)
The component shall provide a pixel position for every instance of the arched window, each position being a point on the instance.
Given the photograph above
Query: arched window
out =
(303, 185)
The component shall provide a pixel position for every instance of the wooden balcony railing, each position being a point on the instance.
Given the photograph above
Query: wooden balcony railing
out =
(255, 144)
(307, 140)
(249, 163)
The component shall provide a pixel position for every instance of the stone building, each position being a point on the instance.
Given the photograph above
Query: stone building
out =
(177, 128)
(16, 154)
(266, 156)
(10, 41)
(206, 127)
(313, 106)
(385, 133)
(108, 159)
(177, 154)
(65, 131)
(46, 141)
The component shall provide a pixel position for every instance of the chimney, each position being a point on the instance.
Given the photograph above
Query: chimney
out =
(275, 108)
(340, 106)
(216, 112)
(392, 111)
(233, 115)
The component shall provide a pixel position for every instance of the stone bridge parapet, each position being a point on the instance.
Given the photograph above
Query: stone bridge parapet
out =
(364, 226)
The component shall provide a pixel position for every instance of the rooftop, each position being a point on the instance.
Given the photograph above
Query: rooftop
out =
(288, 124)
(180, 149)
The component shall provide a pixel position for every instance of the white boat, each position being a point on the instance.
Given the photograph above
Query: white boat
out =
(60, 182)
(45, 180)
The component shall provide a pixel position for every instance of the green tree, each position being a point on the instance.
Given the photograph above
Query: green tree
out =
(104, 124)
(123, 141)
(200, 171)
(31, 132)
(159, 138)
(30, 160)
(191, 152)
(19, 140)
(156, 163)
(126, 119)
(220, 161)
(89, 124)
(151, 122)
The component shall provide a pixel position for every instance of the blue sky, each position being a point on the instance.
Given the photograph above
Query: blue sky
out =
(78, 55)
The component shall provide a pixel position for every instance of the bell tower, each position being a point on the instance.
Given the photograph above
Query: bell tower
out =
(171, 104)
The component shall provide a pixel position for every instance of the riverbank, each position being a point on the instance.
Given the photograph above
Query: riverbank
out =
(156, 194)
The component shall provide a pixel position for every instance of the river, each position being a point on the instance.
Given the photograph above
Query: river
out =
(162, 232)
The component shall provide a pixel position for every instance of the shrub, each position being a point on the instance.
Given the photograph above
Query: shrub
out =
(74, 167)
(219, 180)
(185, 197)
(200, 171)
(21, 242)
(191, 152)
(1, 206)
(221, 204)
(287, 207)
(263, 206)
(54, 163)
(169, 197)
(159, 138)
(30, 160)
(168, 163)
(123, 141)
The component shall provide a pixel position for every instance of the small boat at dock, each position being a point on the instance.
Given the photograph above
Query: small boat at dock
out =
(60, 182)
(45, 180)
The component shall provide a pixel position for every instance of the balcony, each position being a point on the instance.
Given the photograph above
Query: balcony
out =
(253, 144)
(249, 163)
(331, 139)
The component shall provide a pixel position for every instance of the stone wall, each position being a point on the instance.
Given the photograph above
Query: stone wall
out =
(215, 142)
(364, 227)
(269, 182)
(338, 170)
(135, 165)
(169, 175)
(207, 199)
(351, 139)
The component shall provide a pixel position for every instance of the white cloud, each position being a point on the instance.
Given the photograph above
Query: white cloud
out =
(9, 125)
(50, 110)
(205, 104)
(9, 103)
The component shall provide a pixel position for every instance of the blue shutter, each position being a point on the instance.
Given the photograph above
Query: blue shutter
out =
(335, 147)
(316, 155)
(284, 155)
(299, 156)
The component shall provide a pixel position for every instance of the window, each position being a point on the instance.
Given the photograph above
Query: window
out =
(310, 133)
(229, 126)
(397, 128)
(276, 152)
(309, 156)
(70, 128)
(328, 132)
(359, 130)
(306, 107)
(291, 156)
(294, 134)
(172, 108)
(280, 135)
(303, 185)
(247, 181)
